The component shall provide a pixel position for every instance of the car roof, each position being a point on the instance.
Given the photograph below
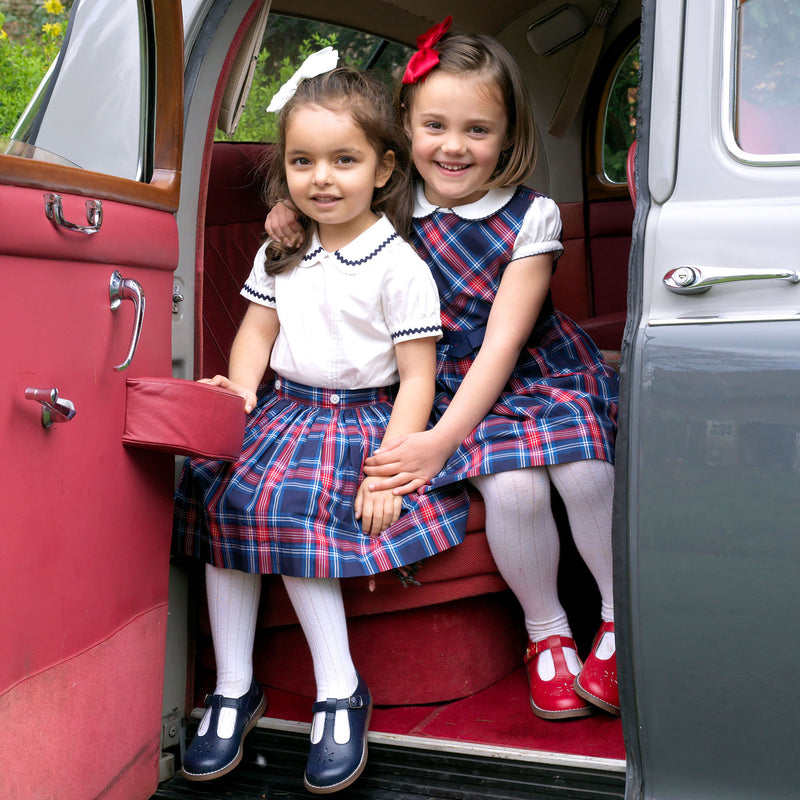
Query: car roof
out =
(404, 20)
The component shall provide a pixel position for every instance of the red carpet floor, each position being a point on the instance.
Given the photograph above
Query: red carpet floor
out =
(499, 716)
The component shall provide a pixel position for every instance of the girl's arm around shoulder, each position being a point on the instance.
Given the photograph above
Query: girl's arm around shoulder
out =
(250, 353)
(281, 224)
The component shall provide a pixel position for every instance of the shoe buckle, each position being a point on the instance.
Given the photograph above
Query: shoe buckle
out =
(356, 701)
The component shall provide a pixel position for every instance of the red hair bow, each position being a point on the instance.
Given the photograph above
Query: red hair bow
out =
(426, 58)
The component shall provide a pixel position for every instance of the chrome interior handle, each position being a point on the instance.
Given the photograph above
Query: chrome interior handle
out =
(55, 212)
(128, 289)
(54, 408)
(696, 280)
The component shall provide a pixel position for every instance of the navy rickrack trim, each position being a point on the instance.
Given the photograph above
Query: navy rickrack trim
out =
(258, 295)
(407, 331)
(309, 256)
(360, 260)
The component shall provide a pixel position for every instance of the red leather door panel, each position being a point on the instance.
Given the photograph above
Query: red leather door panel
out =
(84, 548)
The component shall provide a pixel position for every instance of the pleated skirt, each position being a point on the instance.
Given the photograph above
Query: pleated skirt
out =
(287, 505)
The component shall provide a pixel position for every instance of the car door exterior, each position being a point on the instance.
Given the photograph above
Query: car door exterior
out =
(709, 458)
(86, 521)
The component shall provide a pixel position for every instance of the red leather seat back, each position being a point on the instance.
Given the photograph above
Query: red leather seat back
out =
(234, 230)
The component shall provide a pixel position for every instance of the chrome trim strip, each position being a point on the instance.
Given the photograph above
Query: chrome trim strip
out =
(450, 746)
(718, 319)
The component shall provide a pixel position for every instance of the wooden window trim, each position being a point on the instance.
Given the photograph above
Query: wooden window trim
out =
(163, 190)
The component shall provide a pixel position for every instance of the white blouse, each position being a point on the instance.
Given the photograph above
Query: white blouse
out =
(341, 313)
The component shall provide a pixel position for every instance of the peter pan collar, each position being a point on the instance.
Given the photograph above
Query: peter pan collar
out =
(358, 252)
(489, 204)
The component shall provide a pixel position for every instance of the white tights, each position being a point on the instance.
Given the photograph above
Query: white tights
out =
(233, 607)
(523, 537)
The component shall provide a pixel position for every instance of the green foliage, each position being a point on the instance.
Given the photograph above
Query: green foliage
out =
(288, 41)
(258, 125)
(28, 44)
(620, 122)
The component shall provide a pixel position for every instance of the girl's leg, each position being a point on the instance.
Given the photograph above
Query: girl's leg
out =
(339, 726)
(319, 607)
(587, 488)
(238, 700)
(523, 538)
(232, 609)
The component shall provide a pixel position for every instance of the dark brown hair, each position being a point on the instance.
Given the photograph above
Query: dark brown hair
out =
(369, 104)
(483, 56)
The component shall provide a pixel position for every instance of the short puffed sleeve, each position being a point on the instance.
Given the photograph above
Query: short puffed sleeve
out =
(410, 298)
(260, 287)
(540, 231)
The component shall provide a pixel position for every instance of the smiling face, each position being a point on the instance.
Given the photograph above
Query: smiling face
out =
(332, 171)
(458, 127)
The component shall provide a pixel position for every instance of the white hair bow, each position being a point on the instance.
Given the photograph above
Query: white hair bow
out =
(316, 64)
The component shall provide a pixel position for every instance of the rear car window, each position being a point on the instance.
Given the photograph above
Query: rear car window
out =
(767, 81)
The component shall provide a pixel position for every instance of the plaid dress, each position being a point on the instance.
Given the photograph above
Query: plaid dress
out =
(287, 505)
(560, 403)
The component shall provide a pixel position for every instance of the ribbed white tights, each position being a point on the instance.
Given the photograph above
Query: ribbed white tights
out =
(523, 537)
(233, 607)
(319, 607)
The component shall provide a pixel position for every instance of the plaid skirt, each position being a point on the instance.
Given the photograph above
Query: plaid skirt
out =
(287, 505)
(559, 405)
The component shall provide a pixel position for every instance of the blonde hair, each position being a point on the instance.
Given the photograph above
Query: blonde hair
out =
(481, 55)
(369, 104)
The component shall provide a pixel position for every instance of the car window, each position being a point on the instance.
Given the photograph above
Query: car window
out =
(619, 117)
(286, 43)
(767, 84)
(93, 86)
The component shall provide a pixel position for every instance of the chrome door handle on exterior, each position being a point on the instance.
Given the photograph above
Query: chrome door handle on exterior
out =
(55, 212)
(696, 280)
(54, 408)
(128, 289)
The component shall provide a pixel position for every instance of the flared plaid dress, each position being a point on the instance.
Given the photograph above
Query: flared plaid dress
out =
(560, 402)
(287, 505)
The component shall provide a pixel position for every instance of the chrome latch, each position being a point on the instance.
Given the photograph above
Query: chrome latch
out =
(54, 408)
(177, 296)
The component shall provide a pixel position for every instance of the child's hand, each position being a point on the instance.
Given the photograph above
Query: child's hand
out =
(376, 510)
(405, 464)
(281, 225)
(246, 394)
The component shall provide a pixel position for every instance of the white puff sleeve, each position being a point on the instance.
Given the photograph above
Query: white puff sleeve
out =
(260, 287)
(410, 298)
(540, 231)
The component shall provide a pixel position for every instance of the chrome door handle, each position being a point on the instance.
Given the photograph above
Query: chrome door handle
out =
(696, 280)
(55, 212)
(54, 408)
(128, 289)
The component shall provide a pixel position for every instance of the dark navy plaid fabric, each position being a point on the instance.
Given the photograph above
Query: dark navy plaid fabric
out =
(560, 403)
(287, 505)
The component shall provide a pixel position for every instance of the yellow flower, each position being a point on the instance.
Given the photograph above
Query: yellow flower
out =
(52, 29)
(54, 7)
(3, 35)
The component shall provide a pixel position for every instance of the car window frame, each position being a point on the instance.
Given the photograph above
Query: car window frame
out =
(165, 65)
(730, 95)
(598, 186)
